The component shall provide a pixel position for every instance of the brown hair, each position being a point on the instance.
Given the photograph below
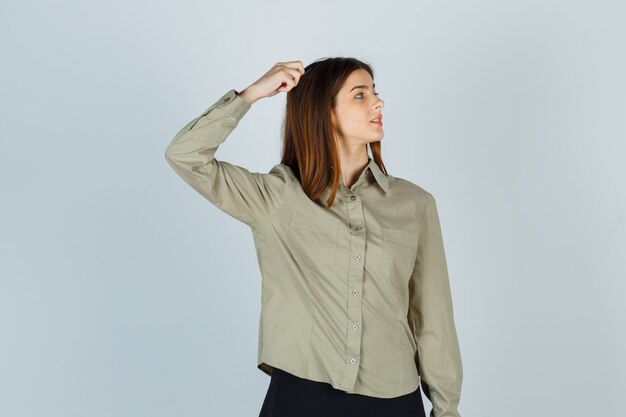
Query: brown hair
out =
(309, 141)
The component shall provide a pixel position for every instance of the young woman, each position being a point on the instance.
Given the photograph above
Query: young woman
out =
(356, 303)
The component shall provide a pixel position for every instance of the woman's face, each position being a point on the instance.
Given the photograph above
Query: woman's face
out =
(356, 105)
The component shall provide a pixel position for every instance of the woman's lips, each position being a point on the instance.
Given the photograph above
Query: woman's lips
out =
(377, 123)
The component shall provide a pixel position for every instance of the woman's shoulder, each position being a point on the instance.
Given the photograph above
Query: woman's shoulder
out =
(284, 173)
(407, 187)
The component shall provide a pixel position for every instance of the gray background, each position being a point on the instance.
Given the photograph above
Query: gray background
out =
(124, 293)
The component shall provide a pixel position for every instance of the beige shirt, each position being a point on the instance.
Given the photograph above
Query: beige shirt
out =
(356, 295)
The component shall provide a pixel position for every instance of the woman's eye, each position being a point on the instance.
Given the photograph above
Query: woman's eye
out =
(360, 94)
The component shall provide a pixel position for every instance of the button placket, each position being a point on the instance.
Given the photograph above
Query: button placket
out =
(355, 283)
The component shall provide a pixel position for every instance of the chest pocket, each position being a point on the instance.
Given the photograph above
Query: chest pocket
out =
(314, 239)
(399, 253)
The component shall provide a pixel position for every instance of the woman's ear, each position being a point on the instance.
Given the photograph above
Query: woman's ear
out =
(333, 121)
(333, 131)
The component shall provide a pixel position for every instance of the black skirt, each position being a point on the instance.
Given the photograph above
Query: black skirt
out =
(291, 396)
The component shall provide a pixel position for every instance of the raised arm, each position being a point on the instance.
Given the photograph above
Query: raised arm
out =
(432, 320)
(250, 197)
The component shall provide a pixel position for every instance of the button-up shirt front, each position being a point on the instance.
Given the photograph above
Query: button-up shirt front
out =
(356, 295)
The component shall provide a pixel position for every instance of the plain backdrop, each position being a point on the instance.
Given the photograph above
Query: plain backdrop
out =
(125, 293)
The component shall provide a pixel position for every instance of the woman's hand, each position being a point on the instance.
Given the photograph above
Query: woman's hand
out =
(283, 76)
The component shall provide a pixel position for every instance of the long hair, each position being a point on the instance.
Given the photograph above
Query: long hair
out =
(309, 135)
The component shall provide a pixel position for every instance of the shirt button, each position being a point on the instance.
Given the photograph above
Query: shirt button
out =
(352, 361)
(357, 257)
(354, 292)
(352, 197)
(227, 99)
(358, 228)
(355, 327)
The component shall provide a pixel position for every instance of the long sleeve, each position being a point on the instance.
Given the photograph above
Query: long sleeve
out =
(250, 197)
(432, 320)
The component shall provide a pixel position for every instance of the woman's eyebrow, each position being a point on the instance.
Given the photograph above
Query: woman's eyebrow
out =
(363, 86)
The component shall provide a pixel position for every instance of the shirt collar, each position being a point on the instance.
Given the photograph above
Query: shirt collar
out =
(380, 177)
